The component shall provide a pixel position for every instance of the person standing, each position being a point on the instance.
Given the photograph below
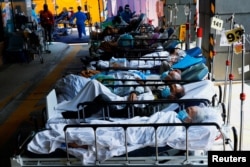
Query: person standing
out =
(80, 21)
(47, 22)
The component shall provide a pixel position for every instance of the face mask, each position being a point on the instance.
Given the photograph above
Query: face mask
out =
(182, 115)
(139, 89)
(164, 75)
(165, 92)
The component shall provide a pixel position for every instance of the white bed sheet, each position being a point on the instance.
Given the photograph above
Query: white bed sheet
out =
(110, 141)
(141, 63)
(88, 93)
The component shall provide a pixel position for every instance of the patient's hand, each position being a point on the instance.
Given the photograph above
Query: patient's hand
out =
(74, 145)
(132, 97)
(139, 81)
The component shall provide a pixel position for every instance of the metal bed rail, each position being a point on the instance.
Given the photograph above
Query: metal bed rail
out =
(156, 160)
(131, 106)
(187, 158)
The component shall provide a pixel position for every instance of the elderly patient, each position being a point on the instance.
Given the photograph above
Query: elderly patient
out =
(111, 141)
(193, 114)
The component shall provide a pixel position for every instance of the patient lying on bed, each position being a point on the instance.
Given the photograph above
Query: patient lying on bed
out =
(148, 60)
(110, 141)
(193, 114)
(94, 88)
(69, 86)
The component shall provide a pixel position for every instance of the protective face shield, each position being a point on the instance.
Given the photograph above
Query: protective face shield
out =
(182, 115)
(166, 92)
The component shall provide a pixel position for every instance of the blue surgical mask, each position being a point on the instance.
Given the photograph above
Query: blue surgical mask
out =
(164, 75)
(182, 115)
(166, 92)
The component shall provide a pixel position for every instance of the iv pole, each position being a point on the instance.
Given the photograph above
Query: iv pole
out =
(231, 19)
(242, 94)
(231, 77)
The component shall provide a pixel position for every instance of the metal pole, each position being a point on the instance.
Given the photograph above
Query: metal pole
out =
(175, 14)
(231, 19)
(188, 30)
(242, 95)
(231, 77)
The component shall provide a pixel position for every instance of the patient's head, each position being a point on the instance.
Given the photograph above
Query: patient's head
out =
(201, 113)
(196, 114)
(171, 75)
(173, 91)
(177, 91)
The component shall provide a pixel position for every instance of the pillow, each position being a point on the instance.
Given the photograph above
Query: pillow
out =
(196, 72)
(187, 61)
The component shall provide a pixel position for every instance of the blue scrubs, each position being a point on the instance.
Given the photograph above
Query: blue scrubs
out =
(80, 22)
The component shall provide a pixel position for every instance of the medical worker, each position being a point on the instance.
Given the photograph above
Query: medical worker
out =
(80, 21)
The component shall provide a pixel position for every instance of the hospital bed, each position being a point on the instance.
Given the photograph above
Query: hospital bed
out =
(133, 46)
(132, 63)
(116, 154)
(152, 61)
(100, 35)
(159, 154)
(215, 96)
(200, 90)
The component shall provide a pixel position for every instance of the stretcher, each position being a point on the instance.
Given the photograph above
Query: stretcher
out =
(197, 90)
(153, 62)
(157, 158)
(187, 153)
